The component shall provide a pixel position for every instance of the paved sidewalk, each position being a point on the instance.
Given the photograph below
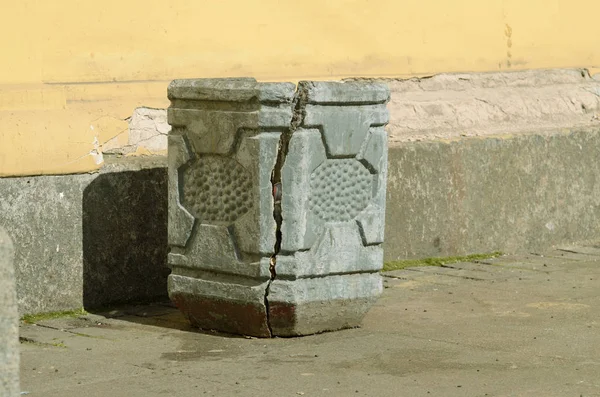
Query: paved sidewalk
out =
(510, 326)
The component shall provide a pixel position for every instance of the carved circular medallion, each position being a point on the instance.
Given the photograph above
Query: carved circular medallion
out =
(340, 189)
(216, 189)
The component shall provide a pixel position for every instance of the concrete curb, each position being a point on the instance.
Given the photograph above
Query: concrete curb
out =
(88, 239)
(9, 321)
(513, 193)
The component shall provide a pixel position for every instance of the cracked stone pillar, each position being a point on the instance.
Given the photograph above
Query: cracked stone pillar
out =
(276, 203)
(9, 321)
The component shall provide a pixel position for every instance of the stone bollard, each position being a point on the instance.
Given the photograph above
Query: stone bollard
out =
(276, 203)
(9, 321)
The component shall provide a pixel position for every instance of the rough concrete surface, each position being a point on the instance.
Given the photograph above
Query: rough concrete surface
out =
(43, 217)
(124, 237)
(513, 193)
(90, 239)
(9, 321)
(244, 262)
(512, 326)
(477, 104)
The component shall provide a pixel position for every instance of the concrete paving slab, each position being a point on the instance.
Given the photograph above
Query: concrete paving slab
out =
(567, 255)
(529, 262)
(516, 332)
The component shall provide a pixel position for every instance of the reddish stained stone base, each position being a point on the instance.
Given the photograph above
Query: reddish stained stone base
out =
(223, 315)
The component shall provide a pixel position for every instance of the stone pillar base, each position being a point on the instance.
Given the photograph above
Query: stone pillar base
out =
(290, 307)
(225, 303)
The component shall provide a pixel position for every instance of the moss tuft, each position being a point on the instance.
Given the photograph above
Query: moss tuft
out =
(34, 318)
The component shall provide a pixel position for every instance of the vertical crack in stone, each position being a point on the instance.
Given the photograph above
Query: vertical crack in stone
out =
(298, 105)
(272, 269)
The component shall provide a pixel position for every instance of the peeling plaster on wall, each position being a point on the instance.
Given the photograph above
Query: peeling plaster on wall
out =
(45, 129)
(146, 134)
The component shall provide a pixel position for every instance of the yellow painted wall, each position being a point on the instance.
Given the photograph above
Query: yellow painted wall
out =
(73, 70)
